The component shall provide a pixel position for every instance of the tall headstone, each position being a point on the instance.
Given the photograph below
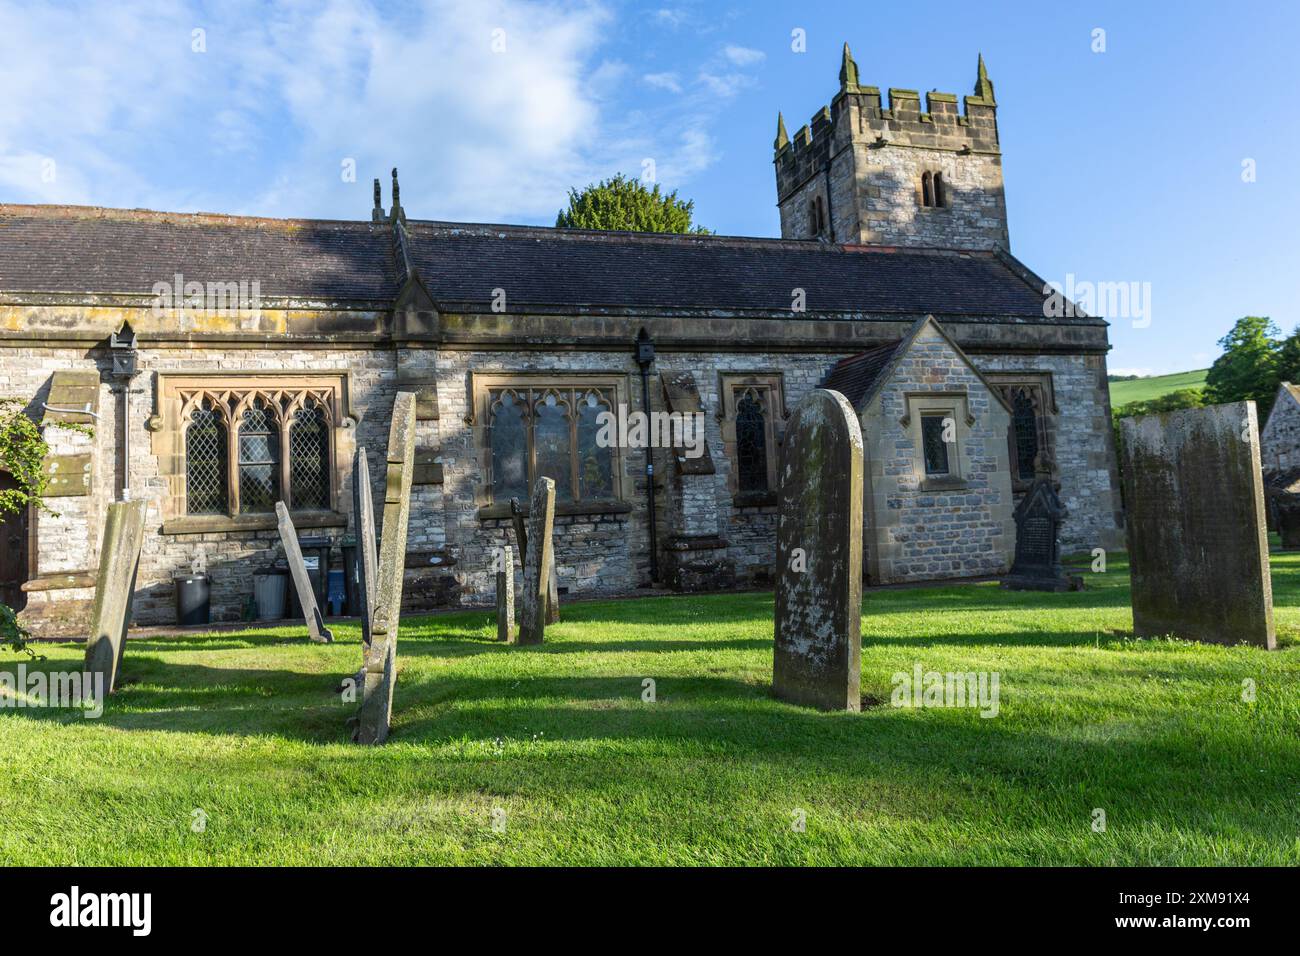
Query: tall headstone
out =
(819, 556)
(119, 557)
(1037, 564)
(363, 516)
(537, 565)
(316, 628)
(506, 596)
(380, 651)
(553, 580)
(1197, 544)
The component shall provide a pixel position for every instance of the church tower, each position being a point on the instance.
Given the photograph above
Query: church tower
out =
(865, 173)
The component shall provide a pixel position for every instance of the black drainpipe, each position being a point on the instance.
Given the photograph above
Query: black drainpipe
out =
(645, 356)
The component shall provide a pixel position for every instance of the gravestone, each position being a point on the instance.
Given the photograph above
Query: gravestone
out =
(1037, 564)
(119, 557)
(553, 581)
(1282, 496)
(537, 566)
(819, 556)
(379, 644)
(316, 628)
(1198, 549)
(506, 596)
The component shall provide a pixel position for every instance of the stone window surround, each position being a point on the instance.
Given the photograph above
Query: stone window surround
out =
(1040, 382)
(940, 194)
(950, 404)
(769, 386)
(481, 385)
(176, 395)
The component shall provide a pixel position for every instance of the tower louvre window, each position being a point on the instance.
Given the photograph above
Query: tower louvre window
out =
(934, 190)
(940, 190)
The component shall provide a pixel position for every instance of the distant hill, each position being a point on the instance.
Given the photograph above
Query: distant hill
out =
(1145, 389)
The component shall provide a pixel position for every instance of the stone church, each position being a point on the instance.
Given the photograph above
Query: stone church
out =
(225, 363)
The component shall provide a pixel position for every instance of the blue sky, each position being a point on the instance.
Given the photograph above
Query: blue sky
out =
(1121, 166)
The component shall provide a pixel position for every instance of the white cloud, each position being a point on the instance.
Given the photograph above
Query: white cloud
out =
(1142, 372)
(743, 55)
(663, 81)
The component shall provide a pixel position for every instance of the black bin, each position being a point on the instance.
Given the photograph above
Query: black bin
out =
(193, 599)
(316, 555)
(351, 584)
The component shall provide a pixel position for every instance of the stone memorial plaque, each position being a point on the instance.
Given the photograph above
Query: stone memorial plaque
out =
(1197, 544)
(298, 568)
(119, 557)
(819, 556)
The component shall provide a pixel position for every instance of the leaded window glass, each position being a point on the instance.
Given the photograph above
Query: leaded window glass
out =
(259, 459)
(553, 445)
(205, 458)
(1024, 420)
(751, 445)
(934, 446)
(309, 458)
(509, 449)
(595, 459)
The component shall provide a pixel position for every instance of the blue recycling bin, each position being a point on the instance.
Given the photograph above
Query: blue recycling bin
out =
(337, 593)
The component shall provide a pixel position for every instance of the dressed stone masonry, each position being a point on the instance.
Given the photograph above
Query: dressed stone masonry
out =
(819, 546)
(1198, 548)
(913, 236)
(123, 536)
(506, 596)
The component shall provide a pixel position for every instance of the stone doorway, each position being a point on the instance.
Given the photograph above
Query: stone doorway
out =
(13, 551)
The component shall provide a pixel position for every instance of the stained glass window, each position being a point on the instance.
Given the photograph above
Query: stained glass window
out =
(205, 462)
(309, 458)
(751, 445)
(259, 459)
(933, 445)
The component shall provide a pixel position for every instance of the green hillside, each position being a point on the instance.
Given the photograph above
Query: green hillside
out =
(1145, 389)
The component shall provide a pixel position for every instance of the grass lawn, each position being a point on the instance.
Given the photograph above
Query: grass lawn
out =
(247, 728)
(1145, 389)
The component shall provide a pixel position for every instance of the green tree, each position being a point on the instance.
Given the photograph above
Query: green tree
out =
(627, 205)
(1248, 367)
(1288, 359)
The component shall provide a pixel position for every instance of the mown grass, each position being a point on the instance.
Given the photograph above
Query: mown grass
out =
(1154, 386)
(247, 727)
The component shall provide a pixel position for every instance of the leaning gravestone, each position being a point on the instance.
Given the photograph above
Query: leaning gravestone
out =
(316, 628)
(1037, 564)
(119, 557)
(506, 596)
(819, 553)
(553, 581)
(1198, 548)
(384, 598)
(537, 565)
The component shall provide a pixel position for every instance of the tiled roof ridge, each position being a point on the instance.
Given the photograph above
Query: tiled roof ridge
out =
(75, 212)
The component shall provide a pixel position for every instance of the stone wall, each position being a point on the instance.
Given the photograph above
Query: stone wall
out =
(1279, 442)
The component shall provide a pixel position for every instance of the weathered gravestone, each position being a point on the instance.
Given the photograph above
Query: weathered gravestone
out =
(1282, 496)
(553, 581)
(537, 565)
(819, 556)
(383, 598)
(1037, 564)
(506, 596)
(316, 628)
(1198, 550)
(119, 557)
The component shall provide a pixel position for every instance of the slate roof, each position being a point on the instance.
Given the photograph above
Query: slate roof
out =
(93, 250)
(856, 376)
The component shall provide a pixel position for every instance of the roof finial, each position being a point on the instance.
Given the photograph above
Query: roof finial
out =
(983, 85)
(848, 72)
(782, 138)
(377, 213)
(397, 212)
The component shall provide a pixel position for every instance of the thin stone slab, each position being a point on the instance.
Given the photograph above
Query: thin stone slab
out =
(363, 516)
(506, 596)
(380, 652)
(537, 565)
(1197, 542)
(553, 581)
(819, 556)
(119, 558)
(316, 628)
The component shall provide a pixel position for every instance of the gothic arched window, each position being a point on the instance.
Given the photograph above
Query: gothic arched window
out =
(751, 445)
(940, 190)
(205, 461)
(1024, 422)
(595, 460)
(927, 189)
(259, 459)
(509, 440)
(309, 457)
